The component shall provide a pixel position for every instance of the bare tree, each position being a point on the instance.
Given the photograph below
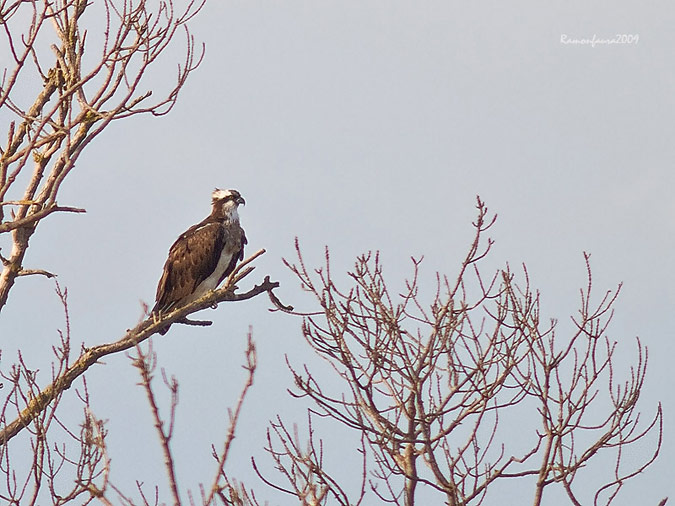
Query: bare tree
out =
(70, 68)
(79, 457)
(428, 385)
(88, 463)
(82, 86)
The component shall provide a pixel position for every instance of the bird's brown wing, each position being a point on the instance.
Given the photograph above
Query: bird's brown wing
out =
(192, 258)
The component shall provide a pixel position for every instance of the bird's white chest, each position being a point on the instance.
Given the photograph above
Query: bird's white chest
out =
(212, 281)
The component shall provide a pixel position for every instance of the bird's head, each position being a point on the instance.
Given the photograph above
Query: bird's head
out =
(223, 196)
(226, 202)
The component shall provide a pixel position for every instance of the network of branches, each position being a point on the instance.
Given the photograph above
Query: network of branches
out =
(428, 384)
(425, 386)
(68, 69)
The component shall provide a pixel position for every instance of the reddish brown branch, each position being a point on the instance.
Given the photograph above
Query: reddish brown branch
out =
(133, 337)
(251, 364)
(429, 382)
(146, 364)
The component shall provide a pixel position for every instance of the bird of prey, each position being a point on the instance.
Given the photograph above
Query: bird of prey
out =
(203, 256)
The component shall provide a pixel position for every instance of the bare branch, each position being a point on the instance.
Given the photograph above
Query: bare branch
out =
(146, 364)
(251, 364)
(76, 98)
(133, 337)
(427, 383)
(33, 272)
(37, 216)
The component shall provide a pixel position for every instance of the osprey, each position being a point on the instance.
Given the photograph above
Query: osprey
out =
(203, 256)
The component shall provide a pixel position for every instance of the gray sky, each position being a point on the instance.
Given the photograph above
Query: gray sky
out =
(372, 125)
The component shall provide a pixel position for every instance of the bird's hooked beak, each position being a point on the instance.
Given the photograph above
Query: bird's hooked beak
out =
(240, 200)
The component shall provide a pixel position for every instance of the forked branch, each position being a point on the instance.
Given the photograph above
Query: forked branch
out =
(132, 338)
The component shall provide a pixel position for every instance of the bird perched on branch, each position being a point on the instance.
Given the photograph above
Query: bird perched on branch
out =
(203, 256)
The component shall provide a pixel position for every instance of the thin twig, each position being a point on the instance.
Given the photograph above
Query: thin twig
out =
(251, 364)
(146, 363)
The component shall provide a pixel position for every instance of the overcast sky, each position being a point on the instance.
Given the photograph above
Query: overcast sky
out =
(372, 125)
